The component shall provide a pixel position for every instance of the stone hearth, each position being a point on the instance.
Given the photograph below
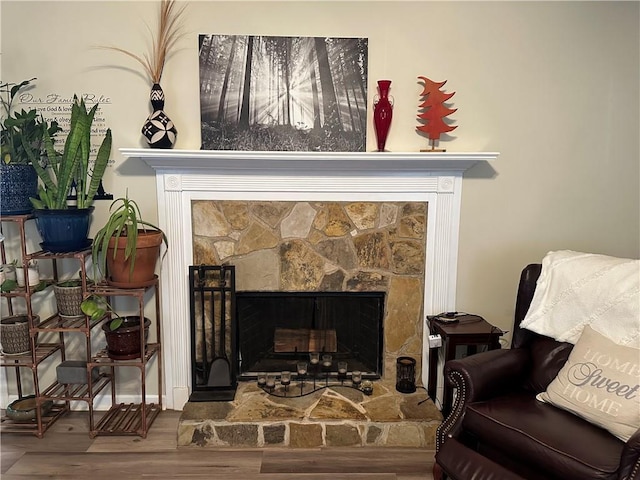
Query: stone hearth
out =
(334, 417)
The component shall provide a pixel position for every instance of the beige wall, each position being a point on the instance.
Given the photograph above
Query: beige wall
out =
(553, 86)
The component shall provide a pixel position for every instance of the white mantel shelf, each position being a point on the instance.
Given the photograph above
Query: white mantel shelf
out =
(184, 176)
(327, 162)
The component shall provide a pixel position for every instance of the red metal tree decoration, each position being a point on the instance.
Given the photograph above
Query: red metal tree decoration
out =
(432, 111)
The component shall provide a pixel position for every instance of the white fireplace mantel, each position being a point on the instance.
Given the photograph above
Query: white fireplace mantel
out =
(186, 175)
(328, 162)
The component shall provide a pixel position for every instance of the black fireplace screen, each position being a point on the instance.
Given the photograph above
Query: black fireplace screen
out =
(277, 329)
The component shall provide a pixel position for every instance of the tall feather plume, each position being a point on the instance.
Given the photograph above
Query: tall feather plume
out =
(169, 31)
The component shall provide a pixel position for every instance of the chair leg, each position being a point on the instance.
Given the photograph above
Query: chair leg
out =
(438, 474)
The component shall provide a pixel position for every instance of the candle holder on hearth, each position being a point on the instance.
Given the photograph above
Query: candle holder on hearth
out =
(314, 358)
(342, 372)
(327, 362)
(309, 377)
(406, 375)
(285, 380)
(367, 387)
(301, 370)
(271, 382)
(314, 365)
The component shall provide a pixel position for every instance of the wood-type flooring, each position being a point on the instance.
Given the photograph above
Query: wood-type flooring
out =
(67, 452)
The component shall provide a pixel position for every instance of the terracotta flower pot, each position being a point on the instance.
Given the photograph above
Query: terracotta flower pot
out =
(147, 255)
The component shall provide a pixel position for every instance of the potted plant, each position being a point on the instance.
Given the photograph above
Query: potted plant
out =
(33, 273)
(122, 333)
(8, 280)
(65, 228)
(14, 334)
(127, 247)
(69, 294)
(18, 178)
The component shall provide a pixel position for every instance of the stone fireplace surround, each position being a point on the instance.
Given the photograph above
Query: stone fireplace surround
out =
(321, 247)
(183, 176)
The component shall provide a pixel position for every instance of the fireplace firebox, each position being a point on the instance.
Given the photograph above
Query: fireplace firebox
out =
(277, 329)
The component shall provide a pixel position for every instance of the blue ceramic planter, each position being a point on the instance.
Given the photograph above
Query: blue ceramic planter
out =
(17, 184)
(64, 230)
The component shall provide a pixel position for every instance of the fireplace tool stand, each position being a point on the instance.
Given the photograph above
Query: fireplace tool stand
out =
(212, 309)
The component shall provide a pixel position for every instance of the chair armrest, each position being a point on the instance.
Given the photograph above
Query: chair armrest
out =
(630, 459)
(478, 377)
(487, 374)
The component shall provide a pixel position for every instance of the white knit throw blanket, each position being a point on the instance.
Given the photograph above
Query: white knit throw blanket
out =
(577, 289)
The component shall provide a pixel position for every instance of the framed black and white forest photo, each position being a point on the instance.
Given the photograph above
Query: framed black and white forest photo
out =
(266, 93)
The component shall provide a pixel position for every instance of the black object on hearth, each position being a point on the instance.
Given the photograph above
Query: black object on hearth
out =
(406, 374)
(212, 309)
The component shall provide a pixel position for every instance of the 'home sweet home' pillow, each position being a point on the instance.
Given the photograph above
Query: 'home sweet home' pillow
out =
(601, 383)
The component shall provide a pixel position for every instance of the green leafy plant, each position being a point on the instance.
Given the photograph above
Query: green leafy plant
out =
(19, 128)
(74, 282)
(40, 286)
(125, 221)
(16, 264)
(8, 285)
(72, 166)
(96, 307)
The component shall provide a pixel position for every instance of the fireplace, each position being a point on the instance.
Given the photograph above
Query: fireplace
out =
(275, 330)
(185, 176)
(289, 249)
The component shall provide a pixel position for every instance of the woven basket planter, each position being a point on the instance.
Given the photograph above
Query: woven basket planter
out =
(68, 299)
(14, 334)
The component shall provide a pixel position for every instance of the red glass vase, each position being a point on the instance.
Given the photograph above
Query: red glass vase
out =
(382, 113)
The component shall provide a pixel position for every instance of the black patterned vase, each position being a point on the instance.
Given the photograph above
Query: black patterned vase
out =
(159, 130)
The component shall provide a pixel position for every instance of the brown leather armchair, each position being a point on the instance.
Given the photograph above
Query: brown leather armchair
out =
(497, 430)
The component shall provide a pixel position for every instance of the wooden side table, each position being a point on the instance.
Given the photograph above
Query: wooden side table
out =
(470, 331)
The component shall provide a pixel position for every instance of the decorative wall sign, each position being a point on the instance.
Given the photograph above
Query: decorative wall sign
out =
(55, 106)
(433, 110)
(283, 93)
